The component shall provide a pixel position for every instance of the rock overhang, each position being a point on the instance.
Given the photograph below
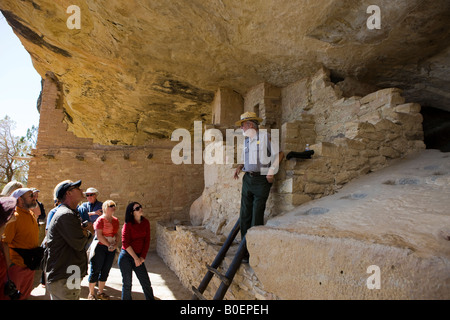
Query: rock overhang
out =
(137, 70)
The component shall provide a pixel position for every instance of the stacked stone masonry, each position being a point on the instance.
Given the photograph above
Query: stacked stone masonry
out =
(188, 250)
(121, 173)
(377, 128)
(350, 136)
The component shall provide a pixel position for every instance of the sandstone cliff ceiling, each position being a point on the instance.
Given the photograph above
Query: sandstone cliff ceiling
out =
(138, 69)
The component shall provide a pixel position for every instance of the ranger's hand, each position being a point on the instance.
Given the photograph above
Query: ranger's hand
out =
(237, 171)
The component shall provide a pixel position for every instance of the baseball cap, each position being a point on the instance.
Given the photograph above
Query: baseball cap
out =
(20, 192)
(62, 189)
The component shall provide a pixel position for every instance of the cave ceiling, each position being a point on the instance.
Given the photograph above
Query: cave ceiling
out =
(136, 70)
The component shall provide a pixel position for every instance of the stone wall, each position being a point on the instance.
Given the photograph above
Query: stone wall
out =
(122, 173)
(187, 250)
(350, 137)
(264, 99)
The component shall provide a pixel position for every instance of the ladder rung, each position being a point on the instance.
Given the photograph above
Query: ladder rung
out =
(222, 278)
(198, 294)
(225, 279)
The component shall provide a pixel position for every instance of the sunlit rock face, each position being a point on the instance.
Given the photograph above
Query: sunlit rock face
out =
(138, 69)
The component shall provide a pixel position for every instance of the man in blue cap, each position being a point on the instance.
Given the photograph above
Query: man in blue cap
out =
(66, 259)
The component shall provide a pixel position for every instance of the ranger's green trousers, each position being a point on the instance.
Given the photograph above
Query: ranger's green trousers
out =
(255, 191)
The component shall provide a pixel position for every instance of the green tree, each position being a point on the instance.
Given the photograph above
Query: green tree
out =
(13, 152)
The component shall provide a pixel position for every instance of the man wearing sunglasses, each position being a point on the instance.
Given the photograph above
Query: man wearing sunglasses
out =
(91, 209)
(19, 240)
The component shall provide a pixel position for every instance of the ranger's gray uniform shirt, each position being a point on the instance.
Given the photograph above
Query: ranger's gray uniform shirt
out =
(257, 152)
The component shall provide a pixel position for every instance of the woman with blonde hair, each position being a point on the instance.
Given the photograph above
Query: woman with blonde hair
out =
(11, 187)
(107, 233)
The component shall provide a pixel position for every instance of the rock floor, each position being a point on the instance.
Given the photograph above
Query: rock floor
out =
(165, 283)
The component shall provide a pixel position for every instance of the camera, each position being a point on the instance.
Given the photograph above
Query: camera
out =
(85, 223)
(11, 291)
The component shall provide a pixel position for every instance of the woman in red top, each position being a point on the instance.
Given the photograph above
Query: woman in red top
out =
(135, 244)
(107, 232)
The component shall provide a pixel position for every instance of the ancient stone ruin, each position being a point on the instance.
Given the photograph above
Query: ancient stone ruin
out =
(120, 76)
(302, 257)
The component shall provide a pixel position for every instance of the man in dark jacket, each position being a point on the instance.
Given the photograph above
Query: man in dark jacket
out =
(66, 259)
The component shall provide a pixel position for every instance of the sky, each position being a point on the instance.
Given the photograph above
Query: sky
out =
(20, 84)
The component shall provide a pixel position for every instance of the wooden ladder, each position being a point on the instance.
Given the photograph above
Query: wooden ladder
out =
(212, 269)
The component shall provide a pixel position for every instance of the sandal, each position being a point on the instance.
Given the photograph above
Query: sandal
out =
(91, 297)
(102, 296)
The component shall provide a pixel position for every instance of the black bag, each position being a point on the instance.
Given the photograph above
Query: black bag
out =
(300, 155)
(31, 257)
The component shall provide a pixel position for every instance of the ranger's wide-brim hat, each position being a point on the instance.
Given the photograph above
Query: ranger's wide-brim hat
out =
(248, 116)
(91, 190)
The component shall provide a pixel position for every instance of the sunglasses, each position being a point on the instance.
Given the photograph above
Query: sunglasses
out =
(112, 206)
(137, 208)
(90, 195)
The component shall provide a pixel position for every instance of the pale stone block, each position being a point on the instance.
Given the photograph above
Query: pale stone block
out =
(408, 108)
(307, 117)
(386, 125)
(287, 147)
(308, 135)
(307, 126)
(368, 98)
(355, 164)
(356, 129)
(325, 149)
(345, 176)
(368, 153)
(317, 164)
(396, 98)
(292, 140)
(380, 94)
(366, 127)
(377, 161)
(371, 117)
(319, 177)
(355, 144)
(389, 152)
(287, 126)
(286, 186)
(314, 188)
(376, 137)
(289, 132)
(351, 152)
(300, 198)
